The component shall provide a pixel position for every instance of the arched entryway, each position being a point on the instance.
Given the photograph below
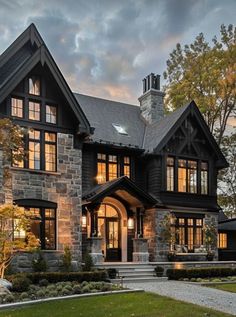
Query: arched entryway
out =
(109, 229)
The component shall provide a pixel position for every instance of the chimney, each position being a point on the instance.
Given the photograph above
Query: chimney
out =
(151, 101)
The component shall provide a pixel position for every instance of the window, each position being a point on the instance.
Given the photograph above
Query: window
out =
(189, 232)
(188, 179)
(127, 166)
(34, 85)
(222, 240)
(170, 174)
(34, 110)
(204, 178)
(119, 129)
(110, 167)
(51, 114)
(34, 149)
(17, 107)
(50, 151)
(43, 226)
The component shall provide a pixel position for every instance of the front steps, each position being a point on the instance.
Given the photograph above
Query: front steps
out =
(132, 272)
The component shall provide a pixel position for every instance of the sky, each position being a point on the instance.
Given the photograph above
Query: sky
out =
(105, 48)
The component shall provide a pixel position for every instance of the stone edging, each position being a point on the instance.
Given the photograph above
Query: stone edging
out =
(51, 299)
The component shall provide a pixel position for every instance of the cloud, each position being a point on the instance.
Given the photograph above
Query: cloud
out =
(105, 47)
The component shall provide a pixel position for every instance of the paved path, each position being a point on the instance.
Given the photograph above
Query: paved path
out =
(196, 294)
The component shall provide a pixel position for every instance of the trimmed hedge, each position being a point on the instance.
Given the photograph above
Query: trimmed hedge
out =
(176, 274)
(54, 277)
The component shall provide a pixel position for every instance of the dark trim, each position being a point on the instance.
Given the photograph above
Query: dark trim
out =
(35, 203)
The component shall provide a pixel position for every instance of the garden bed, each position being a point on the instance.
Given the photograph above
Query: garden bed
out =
(60, 289)
(211, 280)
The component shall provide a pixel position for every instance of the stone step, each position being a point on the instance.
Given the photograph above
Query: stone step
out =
(133, 274)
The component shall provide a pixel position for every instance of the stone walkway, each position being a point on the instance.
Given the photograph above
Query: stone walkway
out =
(195, 294)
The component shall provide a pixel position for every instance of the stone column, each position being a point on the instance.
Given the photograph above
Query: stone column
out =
(140, 247)
(96, 250)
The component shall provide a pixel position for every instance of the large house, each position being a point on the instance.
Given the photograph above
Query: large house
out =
(99, 175)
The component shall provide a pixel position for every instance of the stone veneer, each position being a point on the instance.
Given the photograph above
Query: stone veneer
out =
(64, 188)
(157, 248)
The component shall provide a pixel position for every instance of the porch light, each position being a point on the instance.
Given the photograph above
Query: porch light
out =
(84, 221)
(130, 223)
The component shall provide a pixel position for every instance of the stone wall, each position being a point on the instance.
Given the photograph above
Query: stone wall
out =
(212, 219)
(63, 188)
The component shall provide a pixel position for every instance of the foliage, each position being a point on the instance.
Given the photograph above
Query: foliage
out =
(159, 271)
(11, 140)
(43, 282)
(227, 177)
(168, 232)
(54, 277)
(20, 283)
(88, 263)
(67, 258)
(14, 221)
(176, 274)
(39, 263)
(206, 74)
(210, 237)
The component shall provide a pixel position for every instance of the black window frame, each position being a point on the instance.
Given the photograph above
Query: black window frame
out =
(40, 85)
(47, 104)
(23, 108)
(40, 110)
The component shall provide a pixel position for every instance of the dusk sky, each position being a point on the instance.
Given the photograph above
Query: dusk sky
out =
(105, 48)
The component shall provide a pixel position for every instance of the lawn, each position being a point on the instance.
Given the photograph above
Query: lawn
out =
(122, 305)
(225, 287)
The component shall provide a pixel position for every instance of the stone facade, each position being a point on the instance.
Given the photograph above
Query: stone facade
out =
(151, 105)
(63, 188)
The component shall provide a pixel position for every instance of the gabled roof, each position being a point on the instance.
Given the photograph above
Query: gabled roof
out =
(19, 59)
(102, 113)
(229, 224)
(99, 192)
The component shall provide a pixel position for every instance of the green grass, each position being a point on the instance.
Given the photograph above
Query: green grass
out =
(122, 305)
(225, 287)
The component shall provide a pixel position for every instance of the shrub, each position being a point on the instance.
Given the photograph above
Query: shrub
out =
(43, 282)
(86, 289)
(9, 298)
(76, 289)
(66, 291)
(24, 295)
(176, 274)
(20, 283)
(39, 264)
(40, 293)
(159, 271)
(67, 258)
(112, 272)
(52, 294)
(88, 263)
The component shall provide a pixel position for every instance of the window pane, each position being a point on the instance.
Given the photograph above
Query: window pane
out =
(34, 85)
(127, 171)
(112, 171)
(198, 237)
(112, 158)
(182, 163)
(50, 157)
(17, 107)
(190, 238)
(101, 172)
(170, 178)
(111, 212)
(222, 240)
(127, 160)
(51, 114)
(182, 179)
(204, 178)
(50, 137)
(50, 234)
(34, 155)
(101, 156)
(34, 111)
(192, 180)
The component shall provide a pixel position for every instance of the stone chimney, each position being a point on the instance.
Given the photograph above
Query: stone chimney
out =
(152, 99)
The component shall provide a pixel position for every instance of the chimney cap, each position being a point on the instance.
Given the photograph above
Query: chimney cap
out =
(151, 81)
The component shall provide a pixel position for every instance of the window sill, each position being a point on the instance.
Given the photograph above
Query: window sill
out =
(35, 171)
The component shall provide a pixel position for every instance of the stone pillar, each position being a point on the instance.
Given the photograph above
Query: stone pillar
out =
(140, 247)
(212, 219)
(96, 250)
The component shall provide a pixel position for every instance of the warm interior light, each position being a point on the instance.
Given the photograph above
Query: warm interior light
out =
(84, 221)
(130, 223)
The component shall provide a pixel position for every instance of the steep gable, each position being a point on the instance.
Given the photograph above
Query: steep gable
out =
(21, 57)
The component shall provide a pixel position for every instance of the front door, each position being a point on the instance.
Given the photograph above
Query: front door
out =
(113, 251)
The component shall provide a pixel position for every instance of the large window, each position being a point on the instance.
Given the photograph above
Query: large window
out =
(43, 226)
(34, 85)
(110, 167)
(189, 232)
(222, 240)
(17, 107)
(40, 151)
(186, 177)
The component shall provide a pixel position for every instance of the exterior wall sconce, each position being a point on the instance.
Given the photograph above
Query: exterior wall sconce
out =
(130, 223)
(84, 221)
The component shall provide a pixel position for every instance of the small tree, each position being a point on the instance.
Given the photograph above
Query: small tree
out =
(168, 231)
(210, 237)
(14, 222)
(67, 258)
